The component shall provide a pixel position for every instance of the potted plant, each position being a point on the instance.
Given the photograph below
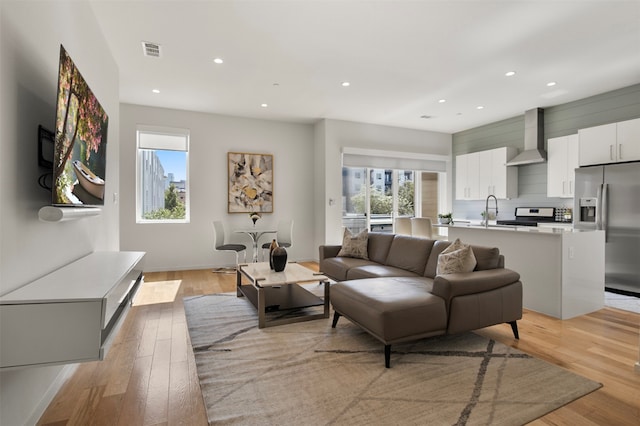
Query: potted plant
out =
(444, 218)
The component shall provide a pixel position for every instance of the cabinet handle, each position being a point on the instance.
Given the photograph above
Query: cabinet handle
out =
(570, 187)
(564, 187)
(611, 152)
(620, 152)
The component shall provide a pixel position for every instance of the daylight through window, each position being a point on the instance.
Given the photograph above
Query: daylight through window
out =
(162, 177)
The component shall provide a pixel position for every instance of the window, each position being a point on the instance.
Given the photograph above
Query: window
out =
(388, 194)
(162, 175)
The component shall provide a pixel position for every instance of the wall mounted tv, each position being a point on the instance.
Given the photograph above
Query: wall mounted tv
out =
(80, 151)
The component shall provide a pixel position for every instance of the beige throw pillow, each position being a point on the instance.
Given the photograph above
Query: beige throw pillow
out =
(355, 246)
(458, 257)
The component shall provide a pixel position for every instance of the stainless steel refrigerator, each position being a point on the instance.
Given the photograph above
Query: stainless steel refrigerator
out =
(608, 198)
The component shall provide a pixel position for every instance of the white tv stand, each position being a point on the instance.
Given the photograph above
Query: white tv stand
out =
(70, 315)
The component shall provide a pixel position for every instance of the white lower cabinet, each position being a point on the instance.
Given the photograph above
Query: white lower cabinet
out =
(562, 160)
(70, 315)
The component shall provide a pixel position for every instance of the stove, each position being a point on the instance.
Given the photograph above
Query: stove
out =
(530, 216)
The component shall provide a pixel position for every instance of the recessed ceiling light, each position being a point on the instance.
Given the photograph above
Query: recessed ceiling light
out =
(510, 73)
(264, 105)
(479, 107)
(346, 84)
(551, 83)
(442, 101)
(218, 61)
(156, 91)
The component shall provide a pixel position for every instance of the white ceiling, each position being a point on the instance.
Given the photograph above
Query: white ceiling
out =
(401, 57)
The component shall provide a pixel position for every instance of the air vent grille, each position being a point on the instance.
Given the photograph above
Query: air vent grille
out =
(151, 49)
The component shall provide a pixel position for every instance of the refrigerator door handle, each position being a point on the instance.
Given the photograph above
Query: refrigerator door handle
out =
(604, 206)
(599, 208)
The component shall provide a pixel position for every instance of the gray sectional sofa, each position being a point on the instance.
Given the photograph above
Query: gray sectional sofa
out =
(396, 296)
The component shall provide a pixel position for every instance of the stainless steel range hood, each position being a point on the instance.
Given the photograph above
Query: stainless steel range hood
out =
(533, 139)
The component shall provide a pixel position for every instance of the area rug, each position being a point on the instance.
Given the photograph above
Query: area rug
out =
(310, 374)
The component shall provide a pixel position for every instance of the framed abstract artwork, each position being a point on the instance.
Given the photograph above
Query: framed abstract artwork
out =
(250, 182)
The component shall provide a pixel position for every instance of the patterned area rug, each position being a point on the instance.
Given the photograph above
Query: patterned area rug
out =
(308, 373)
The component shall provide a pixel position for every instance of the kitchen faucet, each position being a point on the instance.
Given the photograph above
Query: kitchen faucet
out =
(486, 210)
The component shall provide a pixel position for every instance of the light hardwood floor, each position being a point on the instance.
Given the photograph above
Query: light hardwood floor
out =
(149, 375)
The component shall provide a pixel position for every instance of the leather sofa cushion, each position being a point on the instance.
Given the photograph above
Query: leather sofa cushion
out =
(487, 257)
(337, 267)
(379, 244)
(432, 262)
(391, 311)
(409, 253)
(372, 271)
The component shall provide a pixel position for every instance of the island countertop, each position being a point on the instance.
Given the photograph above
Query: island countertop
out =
(548, 229)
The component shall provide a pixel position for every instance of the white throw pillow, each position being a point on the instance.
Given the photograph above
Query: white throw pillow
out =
(456, 258)
(355, 246)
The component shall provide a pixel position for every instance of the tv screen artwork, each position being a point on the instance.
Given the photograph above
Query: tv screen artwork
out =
(80, 142)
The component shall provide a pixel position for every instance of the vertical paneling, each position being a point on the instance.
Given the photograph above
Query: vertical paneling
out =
(561, 120)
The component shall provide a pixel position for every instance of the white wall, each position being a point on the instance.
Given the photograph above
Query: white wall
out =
(189, 246)
(30, 38)
(333, 135)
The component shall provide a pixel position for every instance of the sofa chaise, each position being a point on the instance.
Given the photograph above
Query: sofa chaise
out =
(394, 287)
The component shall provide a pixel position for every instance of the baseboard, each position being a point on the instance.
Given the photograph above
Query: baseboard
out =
(66, 372)
(622, 292)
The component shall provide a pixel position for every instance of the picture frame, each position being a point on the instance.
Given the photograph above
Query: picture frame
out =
(250, 182)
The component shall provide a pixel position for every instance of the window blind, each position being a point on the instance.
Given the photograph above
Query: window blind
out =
(395, 160)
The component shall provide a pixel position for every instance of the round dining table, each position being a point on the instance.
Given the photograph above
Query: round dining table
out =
(255, 234)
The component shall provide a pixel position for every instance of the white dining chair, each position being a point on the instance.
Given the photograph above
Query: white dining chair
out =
(402, 226)
(421, 227)
(219, 244)
(284, 236)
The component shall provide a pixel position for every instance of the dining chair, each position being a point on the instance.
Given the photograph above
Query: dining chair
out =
(422, 227)
(402, 226)
(284, 236)
(219, 244)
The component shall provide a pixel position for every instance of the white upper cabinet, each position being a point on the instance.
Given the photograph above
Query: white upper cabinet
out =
(629, 140)
(495, 177)
(610, 143)
(562, 161)
(485, 173)
(467, 176)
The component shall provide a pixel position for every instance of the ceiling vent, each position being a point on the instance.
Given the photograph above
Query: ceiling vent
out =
(151, 49)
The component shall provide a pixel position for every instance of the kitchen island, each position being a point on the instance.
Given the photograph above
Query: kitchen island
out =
(562, 270)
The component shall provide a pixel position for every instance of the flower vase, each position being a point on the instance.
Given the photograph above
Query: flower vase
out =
(279, 259)
(272, 247)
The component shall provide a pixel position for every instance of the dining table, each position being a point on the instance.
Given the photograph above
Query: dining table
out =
(255, 234)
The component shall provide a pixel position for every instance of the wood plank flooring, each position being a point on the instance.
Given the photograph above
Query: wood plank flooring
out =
(149, 375)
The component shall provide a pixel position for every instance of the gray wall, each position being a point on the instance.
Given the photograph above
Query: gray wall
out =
(561, 120)
(30, 38)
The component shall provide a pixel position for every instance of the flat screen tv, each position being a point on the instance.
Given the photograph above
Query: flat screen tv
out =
(80, 149)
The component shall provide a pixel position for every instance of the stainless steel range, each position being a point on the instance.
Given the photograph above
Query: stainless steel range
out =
(531, 216)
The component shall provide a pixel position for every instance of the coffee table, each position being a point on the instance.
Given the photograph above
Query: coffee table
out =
(271, 291)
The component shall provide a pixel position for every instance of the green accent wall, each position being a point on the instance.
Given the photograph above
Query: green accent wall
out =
(561, 120)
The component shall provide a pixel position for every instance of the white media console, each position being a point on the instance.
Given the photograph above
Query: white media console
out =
(70, 315)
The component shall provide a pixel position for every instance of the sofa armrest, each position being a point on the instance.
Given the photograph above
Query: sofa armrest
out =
(327, 251)
(449, 286)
